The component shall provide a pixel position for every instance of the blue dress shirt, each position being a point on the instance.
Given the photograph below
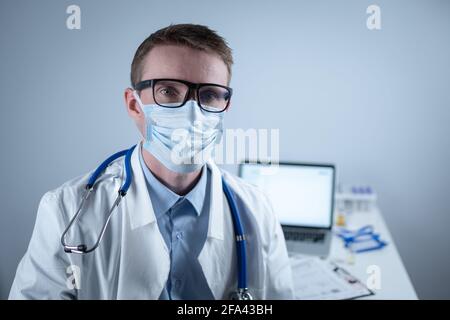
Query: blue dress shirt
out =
(183, 223)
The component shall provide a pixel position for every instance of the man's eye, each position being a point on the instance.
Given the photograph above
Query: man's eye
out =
(167, 91)
(209, 95)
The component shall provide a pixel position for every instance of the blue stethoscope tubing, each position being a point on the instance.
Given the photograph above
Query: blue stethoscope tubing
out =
(241, 293)
(82, 248)
(240, 243)
(127, 153)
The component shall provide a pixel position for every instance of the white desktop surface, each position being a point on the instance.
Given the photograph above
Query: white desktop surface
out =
(395, 281)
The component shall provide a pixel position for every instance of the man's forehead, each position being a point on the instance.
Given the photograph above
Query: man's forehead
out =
(180, 62)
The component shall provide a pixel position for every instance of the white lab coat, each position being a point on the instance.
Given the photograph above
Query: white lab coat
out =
(132, 261)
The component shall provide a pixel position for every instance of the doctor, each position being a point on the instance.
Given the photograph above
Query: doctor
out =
(172, 236)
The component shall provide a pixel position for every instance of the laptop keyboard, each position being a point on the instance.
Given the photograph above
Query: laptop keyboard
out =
(304, 236)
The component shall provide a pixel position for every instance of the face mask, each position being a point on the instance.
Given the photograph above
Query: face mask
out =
(182, 138)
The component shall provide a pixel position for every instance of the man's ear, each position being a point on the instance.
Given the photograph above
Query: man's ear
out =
(134, 110)
(131, 104)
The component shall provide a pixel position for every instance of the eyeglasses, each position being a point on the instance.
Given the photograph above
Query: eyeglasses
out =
(173, 93)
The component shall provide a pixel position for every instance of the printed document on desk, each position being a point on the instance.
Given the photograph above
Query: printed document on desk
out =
(318, 279)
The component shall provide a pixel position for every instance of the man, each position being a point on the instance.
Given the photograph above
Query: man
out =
(172, 236)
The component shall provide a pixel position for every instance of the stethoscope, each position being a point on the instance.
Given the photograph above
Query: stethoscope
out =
(242, 292)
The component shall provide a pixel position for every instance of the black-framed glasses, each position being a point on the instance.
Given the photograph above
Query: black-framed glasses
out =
(173, 93)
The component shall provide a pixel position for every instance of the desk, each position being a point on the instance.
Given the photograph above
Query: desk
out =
(395, 282)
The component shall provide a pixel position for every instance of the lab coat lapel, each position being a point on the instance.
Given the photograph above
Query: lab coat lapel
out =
(145, 261)
(218, 256)
(140, 209)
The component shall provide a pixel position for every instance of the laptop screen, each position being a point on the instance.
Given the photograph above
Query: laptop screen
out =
(301, 194)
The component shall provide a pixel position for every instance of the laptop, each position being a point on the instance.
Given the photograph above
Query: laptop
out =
(302, 196)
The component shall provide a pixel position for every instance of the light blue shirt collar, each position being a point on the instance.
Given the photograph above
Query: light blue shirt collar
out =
(163, 198)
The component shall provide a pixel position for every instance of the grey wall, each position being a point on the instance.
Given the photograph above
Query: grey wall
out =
(377, 103)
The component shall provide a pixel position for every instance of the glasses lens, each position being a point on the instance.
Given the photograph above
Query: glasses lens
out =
(213, 98)
(169, 93)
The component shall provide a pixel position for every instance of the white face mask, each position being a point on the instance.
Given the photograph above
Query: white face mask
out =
(183, 138)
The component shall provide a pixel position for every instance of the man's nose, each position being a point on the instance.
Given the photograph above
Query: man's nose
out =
(192, 94)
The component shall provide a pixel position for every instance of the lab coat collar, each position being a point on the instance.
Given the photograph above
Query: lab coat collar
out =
(140, 209)
(139, 206)
(216, 226)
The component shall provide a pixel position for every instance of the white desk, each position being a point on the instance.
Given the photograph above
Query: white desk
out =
(394, 280)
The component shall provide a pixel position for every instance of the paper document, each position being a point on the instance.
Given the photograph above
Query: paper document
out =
(317, 279)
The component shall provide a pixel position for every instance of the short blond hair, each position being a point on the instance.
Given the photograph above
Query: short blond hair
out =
(191, 35)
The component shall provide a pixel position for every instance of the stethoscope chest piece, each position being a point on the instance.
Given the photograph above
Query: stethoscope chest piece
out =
(241, 294)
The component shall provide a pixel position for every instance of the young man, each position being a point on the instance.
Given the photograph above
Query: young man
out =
(172, 236)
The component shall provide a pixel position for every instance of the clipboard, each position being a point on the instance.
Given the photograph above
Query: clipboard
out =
(318, 279)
